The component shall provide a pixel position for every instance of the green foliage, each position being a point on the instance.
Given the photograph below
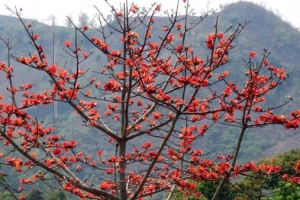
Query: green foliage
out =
(286, 191)
(56, 195)
(256, 185)
(6, 196)
(35, 194)
(207, 189)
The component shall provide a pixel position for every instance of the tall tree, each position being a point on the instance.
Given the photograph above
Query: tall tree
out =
(83, 19)
(146, 102)
(68, 21)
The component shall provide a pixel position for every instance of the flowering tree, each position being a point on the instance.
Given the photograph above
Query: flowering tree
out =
(150, 107)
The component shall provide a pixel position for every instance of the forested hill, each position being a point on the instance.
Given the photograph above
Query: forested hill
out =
(266, 31)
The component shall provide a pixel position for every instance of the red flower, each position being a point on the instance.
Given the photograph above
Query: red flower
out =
(147, 145)
(56, 151)
(93, 163)
(139, 102)
(109, 171)
(112, 86)
(113, 159)
(35, 36)
(68, 43)
(105, 185)
(85, 28)
(215, 116)
(252, 54)
(220, 35)
(157, 115)
(265, 62)
(78, 168)
(84, 54)
(158, 7)
(120, 14)
(116, 116)
(197, 194)
(99, 153)
(21, 188)
(25, 181)
(137, 127)
(22, 197)
(134, 8)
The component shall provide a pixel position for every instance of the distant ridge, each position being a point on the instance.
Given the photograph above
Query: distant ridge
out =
(266, 30)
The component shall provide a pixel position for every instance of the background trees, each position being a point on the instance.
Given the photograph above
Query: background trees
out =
(146, 107)
(83, 19)
(257, 185)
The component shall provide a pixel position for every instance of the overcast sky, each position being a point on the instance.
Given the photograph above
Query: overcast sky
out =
(42, 9)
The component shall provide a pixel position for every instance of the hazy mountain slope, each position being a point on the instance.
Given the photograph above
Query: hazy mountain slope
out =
(266, 30)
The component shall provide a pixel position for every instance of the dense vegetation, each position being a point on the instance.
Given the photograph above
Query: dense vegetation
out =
(256, 186)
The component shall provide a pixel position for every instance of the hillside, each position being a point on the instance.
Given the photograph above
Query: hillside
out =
(266, 31)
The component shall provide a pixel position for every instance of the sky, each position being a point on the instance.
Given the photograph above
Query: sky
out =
(42, 10)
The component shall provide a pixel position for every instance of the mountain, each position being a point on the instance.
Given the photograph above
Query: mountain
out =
(265, 31)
